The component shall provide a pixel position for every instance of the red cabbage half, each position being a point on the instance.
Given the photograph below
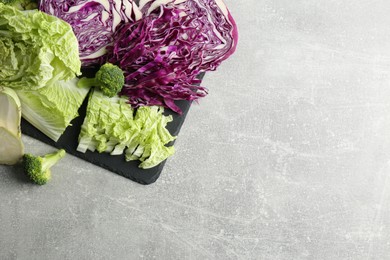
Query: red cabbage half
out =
(93, 23)
(163, 53)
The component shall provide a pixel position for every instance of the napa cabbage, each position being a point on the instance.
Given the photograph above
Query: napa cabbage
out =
(36, 49)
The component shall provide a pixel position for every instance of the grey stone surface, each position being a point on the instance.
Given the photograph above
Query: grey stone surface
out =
(288, 157)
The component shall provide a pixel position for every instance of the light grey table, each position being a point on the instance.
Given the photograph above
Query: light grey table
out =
(288, 157)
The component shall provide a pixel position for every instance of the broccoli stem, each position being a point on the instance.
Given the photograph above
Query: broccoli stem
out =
(87, 82)
(52, 158)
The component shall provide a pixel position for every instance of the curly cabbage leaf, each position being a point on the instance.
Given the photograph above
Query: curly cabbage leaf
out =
(21, 4)
(111, 126)
(36, 49)
(163, 53)
(93, 22)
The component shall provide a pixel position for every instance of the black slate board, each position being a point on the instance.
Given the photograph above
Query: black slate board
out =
(117, 163)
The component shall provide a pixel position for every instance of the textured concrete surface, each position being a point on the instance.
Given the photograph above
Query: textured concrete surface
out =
(287, 158)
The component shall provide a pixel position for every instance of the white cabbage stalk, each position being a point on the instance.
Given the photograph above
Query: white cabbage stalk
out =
(11, 146)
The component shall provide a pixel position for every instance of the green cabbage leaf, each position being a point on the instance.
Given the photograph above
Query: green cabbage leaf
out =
(52, 108)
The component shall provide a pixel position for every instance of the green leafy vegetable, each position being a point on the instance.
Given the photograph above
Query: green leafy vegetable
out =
(51, 109)
(38, 168)
(11, 146)
(36, 49)
(109, 79)
(21, 4)
(111, 126)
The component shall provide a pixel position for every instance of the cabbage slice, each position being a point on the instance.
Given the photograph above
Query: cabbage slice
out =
(112, 126)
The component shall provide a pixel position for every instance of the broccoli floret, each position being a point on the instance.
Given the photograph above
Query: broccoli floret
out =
(109, 79)
(21, 4)
(38, 167)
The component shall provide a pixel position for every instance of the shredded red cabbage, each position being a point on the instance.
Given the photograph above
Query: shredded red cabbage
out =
(163, 53)
(93, 23)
